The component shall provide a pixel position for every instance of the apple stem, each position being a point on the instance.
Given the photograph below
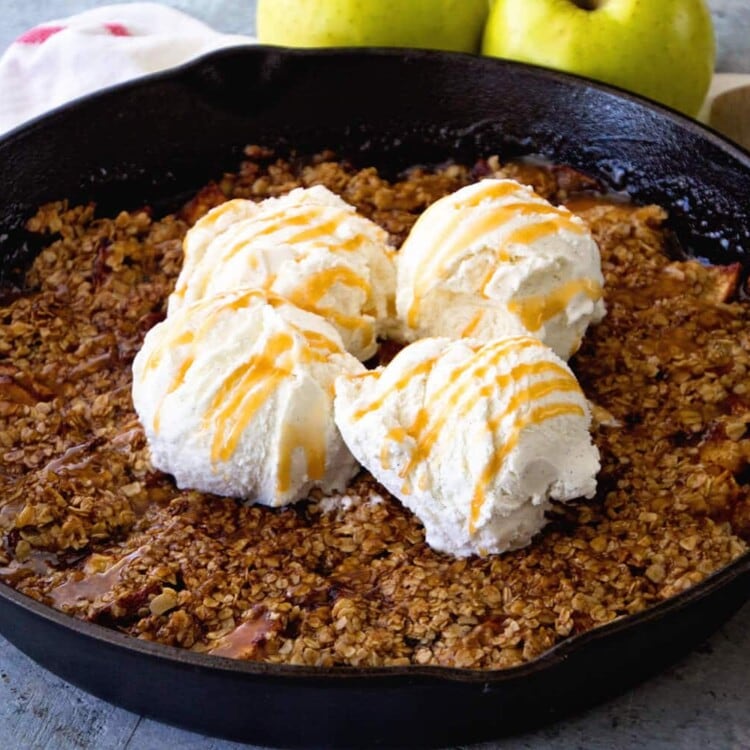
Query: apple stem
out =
(588, 4)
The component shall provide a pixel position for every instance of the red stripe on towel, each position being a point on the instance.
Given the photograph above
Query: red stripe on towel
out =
(39, 35)
(117, 29)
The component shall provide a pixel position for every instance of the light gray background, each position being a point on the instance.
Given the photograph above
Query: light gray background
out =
(702, 702)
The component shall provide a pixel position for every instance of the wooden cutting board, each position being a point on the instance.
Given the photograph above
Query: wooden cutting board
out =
(727, 107)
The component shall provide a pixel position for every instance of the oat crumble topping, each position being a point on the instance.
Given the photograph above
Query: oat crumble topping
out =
(89, 527)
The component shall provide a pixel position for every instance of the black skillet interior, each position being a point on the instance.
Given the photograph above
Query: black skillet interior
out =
(155, 141)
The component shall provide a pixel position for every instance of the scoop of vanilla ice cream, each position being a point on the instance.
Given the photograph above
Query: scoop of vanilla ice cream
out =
(235, 394)
(495, 259)
(310, 247)
(198, 238)
(475, 438)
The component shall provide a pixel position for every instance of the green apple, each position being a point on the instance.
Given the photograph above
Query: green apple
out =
(433, 24)
(662, 49)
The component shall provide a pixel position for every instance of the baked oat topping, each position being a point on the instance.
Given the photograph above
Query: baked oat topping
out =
(88, 526)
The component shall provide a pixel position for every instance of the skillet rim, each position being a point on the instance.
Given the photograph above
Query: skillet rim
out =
(702, 129)
(717, 581)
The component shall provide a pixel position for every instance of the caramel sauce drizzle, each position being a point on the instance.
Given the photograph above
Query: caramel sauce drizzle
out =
(457, 398)
(454, 401)
(534, 232)
(245, 639)
(462, 231)
(193, 338)
(275, 221)
(316, 233)
(535, 311)
(259, 226)
(534, 417)
(217, 213)
(246, 388)
(317, 285)
(471, 370)
(193, 258)
(321, 342)
(306, 436)
(314, 288)
(490, 190)
(472, 229)
(94, 585)
(308, 295)
(317, 222)
(244, 391)
(473, 324)
(421, 368)
(38, 563)
(154, 359)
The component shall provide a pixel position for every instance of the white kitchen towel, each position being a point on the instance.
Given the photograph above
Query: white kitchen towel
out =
(63, 59)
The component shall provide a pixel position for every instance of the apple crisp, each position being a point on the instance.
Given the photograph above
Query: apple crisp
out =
(89, 527)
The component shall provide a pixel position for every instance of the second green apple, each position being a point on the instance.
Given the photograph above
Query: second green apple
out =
(662, 49)
(436, 24)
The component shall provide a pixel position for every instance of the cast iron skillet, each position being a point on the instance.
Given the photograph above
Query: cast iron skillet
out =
(156, 140)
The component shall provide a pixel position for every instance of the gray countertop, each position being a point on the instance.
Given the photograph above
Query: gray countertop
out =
(702, 702)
